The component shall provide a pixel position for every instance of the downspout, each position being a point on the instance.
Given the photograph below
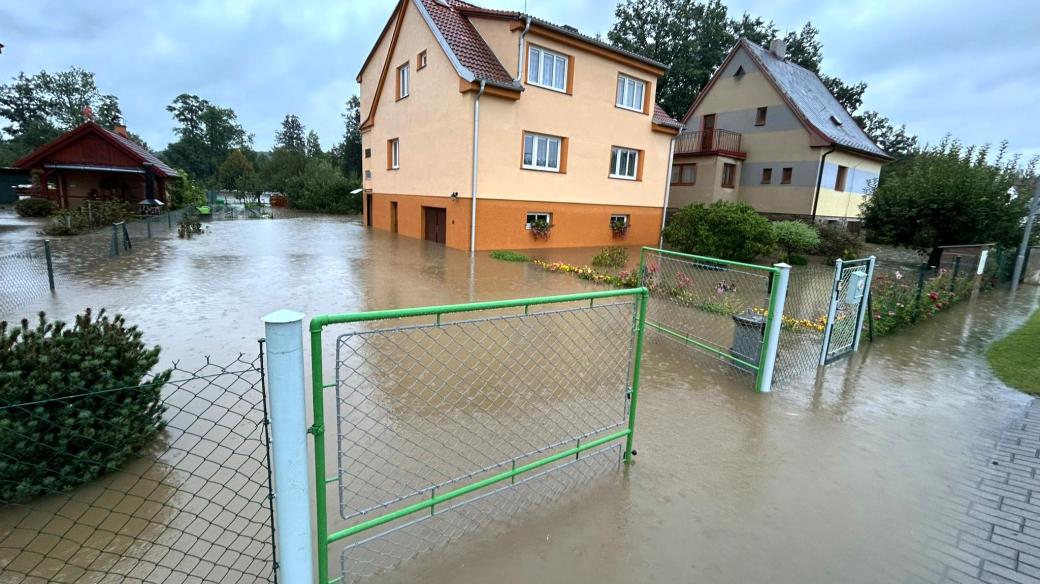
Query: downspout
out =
(473, 182)
(819, 181)
(520, 51)
(668, 185)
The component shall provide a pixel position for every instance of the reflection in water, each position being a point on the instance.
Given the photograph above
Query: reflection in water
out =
(830, 479)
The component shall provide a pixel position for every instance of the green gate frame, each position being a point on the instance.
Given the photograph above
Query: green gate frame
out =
(778, 274)
(318, 387)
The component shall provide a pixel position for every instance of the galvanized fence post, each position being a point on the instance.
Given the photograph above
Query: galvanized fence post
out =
(832, 311)
(115, 241)
(863, 304)
(921, 271)
(956, 270)
(284, 333)
(50, 265)
(777, 299)
(148, 224)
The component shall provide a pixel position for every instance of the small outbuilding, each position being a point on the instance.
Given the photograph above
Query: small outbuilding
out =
(95, 163)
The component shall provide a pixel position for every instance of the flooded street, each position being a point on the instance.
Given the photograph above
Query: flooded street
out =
(842, 478)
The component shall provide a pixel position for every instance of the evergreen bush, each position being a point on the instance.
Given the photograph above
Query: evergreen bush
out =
(731, 231)
(33, 207)
(794, 238)
(74, 402)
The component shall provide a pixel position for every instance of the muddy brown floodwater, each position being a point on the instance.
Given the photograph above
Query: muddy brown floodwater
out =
(833, 479)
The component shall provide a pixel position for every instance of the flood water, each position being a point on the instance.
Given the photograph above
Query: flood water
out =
(833, 479)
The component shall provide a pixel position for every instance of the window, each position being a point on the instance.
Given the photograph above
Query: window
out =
(402, 81)
(368, 175)
(536, 217)
(547, 69)
(622, 219)
(368, 153)
(785, 176)
(624, 163)
(684, 174)
(740, 72)
(767, 176)
(630, 93)
(393, 154)
(760, 116)
(542, 152)
(420, 60)
(839, 180)
(728, 172)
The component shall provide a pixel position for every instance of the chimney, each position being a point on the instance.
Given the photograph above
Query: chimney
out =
(779, 48)
(121, 130)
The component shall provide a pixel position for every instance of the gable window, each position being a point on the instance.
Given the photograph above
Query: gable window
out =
(403, 81)
(420, 60)
(624, 163)
(839, 180)
(393, 154)
(535, 217)
(542, 152)
(684, 174)
(760, 116)
(767, 176)
(630, 93)
(785, 176)
(729, 172)
(368, 153)
(547, 69)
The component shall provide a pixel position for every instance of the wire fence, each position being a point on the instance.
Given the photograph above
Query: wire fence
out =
(25, 276)
(804, 321)
(441, 424)
(182, 495)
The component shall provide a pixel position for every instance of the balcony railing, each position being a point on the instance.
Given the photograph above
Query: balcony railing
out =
(709, 141)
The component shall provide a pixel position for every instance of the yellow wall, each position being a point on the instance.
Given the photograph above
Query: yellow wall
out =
(708, 187)
(844, 204)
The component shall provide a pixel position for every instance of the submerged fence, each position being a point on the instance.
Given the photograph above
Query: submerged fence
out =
(727, 310)
(163, 482)
(448, 418)
(25, 275)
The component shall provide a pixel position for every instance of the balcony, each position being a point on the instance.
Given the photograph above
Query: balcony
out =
(710, 142)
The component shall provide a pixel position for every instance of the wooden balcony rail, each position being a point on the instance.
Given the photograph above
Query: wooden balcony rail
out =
(708, 141)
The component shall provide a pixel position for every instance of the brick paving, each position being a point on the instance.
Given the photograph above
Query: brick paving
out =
(992, 531)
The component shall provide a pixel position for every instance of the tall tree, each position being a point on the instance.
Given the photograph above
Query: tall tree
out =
(235, 171)
(291, 137)
(206, 135)
(314, 145)
(348, 152)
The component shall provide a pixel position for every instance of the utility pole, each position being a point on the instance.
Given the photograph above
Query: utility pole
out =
(1020, 259)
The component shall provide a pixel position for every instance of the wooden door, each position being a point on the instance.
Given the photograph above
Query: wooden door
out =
(393, 217)
(708, 132)
(435, 222)
(368, 210)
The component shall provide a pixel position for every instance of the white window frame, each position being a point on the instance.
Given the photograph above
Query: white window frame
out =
(618, 162)
(626, 88)
(404, 81)
(538, 143)
(395, 154)
(536, 58)
(536, 214)
(624, 218)
(421, 60)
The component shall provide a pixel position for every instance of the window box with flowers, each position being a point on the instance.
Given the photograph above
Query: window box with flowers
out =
(539, 224)
(619, 225)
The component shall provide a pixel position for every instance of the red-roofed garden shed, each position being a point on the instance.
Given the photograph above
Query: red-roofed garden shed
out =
(95, 163)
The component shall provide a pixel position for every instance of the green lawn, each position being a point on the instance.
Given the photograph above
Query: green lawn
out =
(1015, 357)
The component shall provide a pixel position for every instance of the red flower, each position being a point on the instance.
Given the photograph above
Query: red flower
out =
(933, 296)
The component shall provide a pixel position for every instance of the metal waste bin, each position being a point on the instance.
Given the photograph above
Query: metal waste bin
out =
(748, 334)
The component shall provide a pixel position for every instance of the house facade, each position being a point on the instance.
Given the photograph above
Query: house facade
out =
(768, 132)
(482, 128)
(91, 162)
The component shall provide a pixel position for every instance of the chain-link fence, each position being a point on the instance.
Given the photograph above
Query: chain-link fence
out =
(805, 319)
(717, 307)
(182, 496)
(433, 415)
(25, 275)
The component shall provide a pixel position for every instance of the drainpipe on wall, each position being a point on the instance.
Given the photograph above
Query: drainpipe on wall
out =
(819, 181)
(520, 51)
(473, 182)
(668, 185)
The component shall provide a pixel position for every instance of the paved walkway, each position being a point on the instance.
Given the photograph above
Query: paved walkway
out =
(994, 535)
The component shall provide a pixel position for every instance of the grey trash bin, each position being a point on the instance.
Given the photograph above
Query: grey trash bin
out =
(748, 333)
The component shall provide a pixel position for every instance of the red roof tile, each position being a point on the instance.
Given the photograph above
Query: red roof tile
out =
(465, 42)
(661, 117)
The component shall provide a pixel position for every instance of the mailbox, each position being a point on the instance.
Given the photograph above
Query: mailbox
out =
(857, 285)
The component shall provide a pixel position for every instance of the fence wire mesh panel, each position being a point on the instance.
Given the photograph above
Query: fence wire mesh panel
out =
(162, 482)
(23, 277)
(719, 308)
(805, 316)
(450, 406)
(851, 281)
(491, 512)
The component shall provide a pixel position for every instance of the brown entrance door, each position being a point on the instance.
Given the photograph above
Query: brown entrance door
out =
(368, 209)
(393, 217)
(708, 132)
(435, 222)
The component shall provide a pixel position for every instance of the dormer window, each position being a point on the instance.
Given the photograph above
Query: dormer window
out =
(835, 120)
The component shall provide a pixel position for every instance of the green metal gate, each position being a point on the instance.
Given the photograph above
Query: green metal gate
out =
(437, 411)
(850, 293)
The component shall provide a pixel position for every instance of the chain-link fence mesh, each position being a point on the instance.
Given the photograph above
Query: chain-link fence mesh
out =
(423, 409)
(715, 307)
(23, 277)
(805, 317)
(192, 505)
(849, 288)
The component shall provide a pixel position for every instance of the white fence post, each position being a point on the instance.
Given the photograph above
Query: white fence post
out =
(295, 542)
(773, 326)
(863, 303)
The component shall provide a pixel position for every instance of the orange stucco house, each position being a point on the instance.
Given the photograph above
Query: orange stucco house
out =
(480, 127)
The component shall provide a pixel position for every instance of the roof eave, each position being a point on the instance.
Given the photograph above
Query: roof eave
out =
(587, 39)
(461, 69)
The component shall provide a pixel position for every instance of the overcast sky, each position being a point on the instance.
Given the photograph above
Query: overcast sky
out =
(940, 66)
